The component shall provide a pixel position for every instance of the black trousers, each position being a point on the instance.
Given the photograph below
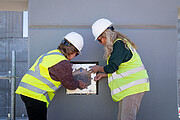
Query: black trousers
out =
(36, 109)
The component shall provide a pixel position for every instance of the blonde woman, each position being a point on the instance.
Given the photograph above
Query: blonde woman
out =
(127, 77)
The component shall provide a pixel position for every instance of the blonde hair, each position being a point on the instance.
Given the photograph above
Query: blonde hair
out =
(111, 36)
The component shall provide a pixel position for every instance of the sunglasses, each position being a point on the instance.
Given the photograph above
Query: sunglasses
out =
(76, 54)
(65, 42)
(99, 40)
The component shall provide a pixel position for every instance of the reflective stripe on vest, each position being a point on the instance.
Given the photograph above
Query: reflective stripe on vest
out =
(35, 89)
(40, 77)
(117, 80)
(37, 75)
(137, 82)
(129, 72)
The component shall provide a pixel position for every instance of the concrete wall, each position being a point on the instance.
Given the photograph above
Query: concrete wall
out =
(178, 59)
(150, 24)
(11, 39)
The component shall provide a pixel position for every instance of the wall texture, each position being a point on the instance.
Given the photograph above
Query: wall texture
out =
(150, 24)
(11, 39)
(178, 59)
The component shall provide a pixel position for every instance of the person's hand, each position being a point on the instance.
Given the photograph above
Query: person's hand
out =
(94, 69)
(99, 76)
(82, 84)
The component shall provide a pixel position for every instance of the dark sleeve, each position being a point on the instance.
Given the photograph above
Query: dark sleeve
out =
(119, 55)
(62, 72)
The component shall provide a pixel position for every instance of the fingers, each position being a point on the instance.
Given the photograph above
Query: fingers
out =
(94, 69)
(97, 77)
(82, 84)
(91, 69)
(91, 66)
(85, 85)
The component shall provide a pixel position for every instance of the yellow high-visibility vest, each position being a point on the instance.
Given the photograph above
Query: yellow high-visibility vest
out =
(37, 83)
(130, 78)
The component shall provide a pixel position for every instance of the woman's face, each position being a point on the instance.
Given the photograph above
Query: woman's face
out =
(102, 40)
(71, 56)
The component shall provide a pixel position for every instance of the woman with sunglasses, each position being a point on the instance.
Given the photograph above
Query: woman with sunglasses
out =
(50, 71)
(127, 77)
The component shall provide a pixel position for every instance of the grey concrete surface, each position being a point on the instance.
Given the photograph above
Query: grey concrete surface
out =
(150, 46)
(11, 39)
(178, 61)
(154, 47)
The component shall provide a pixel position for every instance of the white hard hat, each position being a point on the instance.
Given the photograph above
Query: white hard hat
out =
(76, 40)
(100, 26)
